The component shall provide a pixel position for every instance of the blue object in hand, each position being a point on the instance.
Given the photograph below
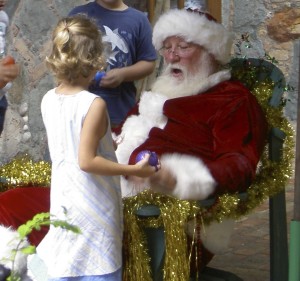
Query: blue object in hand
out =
(98, 77)
(153, 159)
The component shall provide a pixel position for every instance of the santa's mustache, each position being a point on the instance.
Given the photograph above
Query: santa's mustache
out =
(170, 68)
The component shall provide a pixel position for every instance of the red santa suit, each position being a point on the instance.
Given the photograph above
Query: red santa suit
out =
(210, 138)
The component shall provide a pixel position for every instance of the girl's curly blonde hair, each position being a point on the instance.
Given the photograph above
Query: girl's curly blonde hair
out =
(77, 49)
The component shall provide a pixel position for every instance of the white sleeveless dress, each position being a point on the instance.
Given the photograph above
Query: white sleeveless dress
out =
(91, 202)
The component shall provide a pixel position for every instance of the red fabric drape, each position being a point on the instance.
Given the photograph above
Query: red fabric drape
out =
(21, 204)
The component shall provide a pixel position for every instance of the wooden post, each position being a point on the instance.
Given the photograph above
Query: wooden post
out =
(180, 4)
(214, 8)
(151, 9)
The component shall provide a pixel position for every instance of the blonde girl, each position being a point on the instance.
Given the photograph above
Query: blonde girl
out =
(85, 183)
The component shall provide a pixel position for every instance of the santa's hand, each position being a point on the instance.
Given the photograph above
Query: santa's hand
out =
(163, 181)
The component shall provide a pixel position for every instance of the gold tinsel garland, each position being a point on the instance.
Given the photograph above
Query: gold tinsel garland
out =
(272, 178)
(24, 172)
(173, 216)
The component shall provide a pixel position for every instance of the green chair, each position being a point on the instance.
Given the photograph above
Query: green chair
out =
(155, 237)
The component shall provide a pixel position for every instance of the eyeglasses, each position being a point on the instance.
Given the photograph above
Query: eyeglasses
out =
(180, 51)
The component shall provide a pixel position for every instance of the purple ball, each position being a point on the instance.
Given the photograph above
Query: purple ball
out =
(99, 76)
(153, 159)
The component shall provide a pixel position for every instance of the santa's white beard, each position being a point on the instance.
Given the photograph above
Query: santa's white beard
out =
(189, 84)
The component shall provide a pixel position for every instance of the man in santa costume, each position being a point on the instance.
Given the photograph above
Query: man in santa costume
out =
(208, 130)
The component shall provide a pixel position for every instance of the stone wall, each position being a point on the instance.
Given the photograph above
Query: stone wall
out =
(31, 23)
(28, 41)
(273, 27)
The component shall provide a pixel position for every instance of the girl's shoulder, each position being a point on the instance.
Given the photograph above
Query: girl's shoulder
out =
(87, 98)
(50, 94)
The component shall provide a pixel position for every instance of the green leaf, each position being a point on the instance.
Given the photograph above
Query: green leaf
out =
(29, 250)
(23, 230)
(13, 277)
(39, 220)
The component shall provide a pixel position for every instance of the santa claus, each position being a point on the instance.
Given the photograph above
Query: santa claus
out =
(208, 130)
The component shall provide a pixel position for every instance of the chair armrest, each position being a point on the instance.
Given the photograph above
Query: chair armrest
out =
(148, 211)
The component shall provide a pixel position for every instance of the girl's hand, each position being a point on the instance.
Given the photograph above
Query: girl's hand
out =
(145, 169)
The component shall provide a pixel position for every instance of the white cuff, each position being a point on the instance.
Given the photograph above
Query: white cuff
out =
(194, 180)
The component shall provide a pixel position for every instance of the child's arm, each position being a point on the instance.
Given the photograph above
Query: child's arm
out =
(9, 70)
(116, 76)
(94, 128)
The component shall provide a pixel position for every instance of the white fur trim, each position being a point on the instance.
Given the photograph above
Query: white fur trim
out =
(195, 28)
(194, 181)
(216, 236)
(136, 128)
(151, 105)
(213, 80)
(9, 242)
(131, 187)
(135, 131)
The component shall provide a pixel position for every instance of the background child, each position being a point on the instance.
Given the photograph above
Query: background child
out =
(85, 188)
(8, 69)
(131, 56)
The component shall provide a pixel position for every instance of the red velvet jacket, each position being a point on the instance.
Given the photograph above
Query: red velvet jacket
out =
(224, 127)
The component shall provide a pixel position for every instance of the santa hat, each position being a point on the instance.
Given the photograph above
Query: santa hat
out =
(196, 27)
